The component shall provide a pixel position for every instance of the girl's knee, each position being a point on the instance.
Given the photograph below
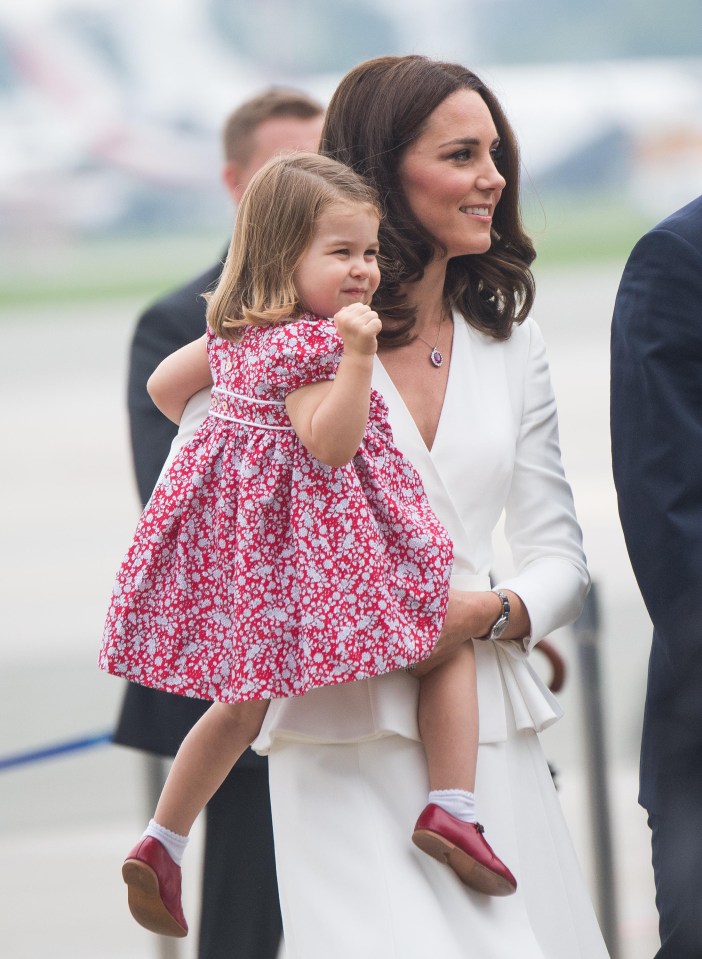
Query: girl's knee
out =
(243, 719)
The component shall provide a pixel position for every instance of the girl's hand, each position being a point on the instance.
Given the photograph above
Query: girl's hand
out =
(358, 326)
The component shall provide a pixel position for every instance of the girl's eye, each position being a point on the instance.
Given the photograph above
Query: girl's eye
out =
(370, 254)
(341, 252)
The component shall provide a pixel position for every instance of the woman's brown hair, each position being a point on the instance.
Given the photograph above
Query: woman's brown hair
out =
(378, 109)
(275, 224)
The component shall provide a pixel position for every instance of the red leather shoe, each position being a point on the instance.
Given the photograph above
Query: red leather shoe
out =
(153, 884)
(461, 846)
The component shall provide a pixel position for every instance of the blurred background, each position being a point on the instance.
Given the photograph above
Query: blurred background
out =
(109, 195)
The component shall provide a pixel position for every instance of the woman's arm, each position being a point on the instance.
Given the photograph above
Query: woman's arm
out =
(178, 377)
(330, 417)
(551, 580)
(472, 615)
(541, 527)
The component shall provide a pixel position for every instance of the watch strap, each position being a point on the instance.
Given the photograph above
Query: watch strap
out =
(502, 621)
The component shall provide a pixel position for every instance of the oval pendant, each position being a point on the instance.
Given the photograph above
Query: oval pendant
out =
(436, 357)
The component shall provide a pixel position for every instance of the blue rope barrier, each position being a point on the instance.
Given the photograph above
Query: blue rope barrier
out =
(58, 749)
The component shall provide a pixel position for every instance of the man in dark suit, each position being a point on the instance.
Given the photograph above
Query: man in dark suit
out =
(656, 417)
(240, 913)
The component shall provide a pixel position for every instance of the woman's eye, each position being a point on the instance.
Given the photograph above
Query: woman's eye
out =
(461, 155)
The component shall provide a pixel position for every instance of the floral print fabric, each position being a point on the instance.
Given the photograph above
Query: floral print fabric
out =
(257, 571)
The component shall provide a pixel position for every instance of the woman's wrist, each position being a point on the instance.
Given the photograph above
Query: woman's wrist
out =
(473, 614)
(493, 609)
(519, 624)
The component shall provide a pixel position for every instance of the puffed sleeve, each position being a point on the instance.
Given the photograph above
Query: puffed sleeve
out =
(540, 523)
(300, 353)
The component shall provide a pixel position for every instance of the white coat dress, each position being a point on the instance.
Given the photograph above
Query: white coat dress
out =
(347, 770)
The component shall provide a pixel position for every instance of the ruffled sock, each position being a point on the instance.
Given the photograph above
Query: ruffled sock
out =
(175, 844)
(456, 802)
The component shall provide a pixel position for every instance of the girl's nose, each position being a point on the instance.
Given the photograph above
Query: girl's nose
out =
(359, 267)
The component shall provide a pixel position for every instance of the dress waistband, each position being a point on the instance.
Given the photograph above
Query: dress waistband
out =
(235, 408)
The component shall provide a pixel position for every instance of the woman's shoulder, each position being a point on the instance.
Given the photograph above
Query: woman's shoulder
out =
(520, 361)
(527, 336)
(523, 339)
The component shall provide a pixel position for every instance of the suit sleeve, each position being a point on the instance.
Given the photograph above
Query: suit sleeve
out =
(656, 424)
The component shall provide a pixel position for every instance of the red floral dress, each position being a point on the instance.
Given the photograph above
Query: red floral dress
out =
(259, 572)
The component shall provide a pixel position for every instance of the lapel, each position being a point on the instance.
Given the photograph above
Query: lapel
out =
(409, 440)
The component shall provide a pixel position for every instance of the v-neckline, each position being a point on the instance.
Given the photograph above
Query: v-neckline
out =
(388, 378)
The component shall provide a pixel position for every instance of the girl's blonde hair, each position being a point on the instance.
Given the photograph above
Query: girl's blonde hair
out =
(275, 225)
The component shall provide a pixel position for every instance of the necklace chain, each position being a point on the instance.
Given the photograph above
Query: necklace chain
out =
(436, 357)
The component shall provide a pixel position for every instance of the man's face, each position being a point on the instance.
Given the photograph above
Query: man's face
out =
(272, 137)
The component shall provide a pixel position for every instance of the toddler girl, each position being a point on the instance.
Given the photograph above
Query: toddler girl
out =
(290, 544)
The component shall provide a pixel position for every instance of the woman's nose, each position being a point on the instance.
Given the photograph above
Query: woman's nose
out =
(491, 178)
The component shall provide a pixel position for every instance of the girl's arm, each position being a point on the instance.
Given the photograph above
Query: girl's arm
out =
(330, 417)
(179, 377)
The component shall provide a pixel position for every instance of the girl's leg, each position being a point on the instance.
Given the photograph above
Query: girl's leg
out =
(204, 759)
(448, 722)
(152, 869)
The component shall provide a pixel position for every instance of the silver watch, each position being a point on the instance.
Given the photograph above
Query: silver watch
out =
(502, 621)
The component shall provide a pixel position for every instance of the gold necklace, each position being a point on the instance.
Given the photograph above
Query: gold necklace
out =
(436, 357)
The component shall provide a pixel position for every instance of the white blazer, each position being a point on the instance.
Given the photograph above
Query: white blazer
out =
(496, 449)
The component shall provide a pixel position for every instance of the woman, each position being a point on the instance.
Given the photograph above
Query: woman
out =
(464, 374)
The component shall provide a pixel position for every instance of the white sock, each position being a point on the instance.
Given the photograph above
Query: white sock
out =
(175, 844)
(457, 802)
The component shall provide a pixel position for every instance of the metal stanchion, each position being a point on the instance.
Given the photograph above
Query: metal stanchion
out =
(587, 634)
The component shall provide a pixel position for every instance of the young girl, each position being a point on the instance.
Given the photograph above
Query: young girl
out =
(290, 544)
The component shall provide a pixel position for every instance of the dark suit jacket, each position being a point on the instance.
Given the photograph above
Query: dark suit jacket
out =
(150, 719)
(656, 420)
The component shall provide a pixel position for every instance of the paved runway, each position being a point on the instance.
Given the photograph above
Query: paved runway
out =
(67, 512)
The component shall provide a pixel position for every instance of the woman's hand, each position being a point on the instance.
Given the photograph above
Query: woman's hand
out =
(473, 614)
